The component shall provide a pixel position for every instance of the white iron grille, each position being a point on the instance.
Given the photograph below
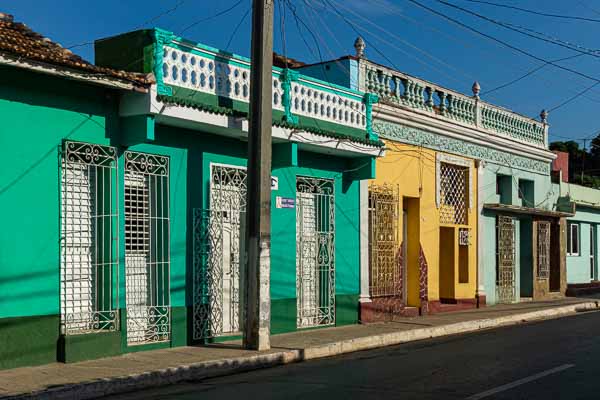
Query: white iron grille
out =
(89, 215)
(147, 248)
(315, 252)
(505, 272)
(543, 240)
(218, 277)
(385, 275)
(454, 202)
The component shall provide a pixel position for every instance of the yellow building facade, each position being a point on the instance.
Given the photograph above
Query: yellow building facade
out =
(422, 233)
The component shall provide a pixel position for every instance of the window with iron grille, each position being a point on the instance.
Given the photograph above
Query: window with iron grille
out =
(89, 248)
(543, 242)
(385, 274)
(147, 248)
(453, 193)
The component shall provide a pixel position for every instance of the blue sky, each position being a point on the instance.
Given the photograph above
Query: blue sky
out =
(414, 40)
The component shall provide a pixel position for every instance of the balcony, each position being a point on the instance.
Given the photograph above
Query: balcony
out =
(403, 90)
(196, 75)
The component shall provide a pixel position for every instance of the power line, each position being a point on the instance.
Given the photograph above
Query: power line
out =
(520, 29)
(218, 14)
(534, 12)
(237, 27)
(394, 10)
(531, 72)
(151, 20)
(564, 103)
(506, 44)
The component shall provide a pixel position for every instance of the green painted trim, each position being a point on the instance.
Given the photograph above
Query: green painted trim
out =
(287, 77)
(225, 106)
(74, 348)
(330, 129)
(205, 101)
(179, 326)
(283, 315)
(161, 38)
(369, 99)
(28, 341)
(346, 309)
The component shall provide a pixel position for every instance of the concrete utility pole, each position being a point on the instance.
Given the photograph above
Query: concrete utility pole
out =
(258, 206)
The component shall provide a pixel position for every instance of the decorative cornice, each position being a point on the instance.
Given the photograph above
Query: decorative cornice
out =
(434, 141)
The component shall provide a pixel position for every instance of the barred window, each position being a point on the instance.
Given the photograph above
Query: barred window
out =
(147, 248)
(89, 220)
(454, 194)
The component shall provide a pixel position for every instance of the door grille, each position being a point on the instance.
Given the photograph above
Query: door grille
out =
(315, 251)
(385, 273)
(505, 285)
(218, 278)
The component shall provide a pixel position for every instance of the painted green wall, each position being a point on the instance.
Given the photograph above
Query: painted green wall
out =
(37, 114)
(543, 195)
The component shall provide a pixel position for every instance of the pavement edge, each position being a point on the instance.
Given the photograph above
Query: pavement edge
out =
(214, 368)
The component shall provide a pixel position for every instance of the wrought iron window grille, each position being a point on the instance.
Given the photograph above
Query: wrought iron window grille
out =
(147, 248)
(89, 272)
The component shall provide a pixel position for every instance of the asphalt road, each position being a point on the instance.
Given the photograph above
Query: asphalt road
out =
(555, 359)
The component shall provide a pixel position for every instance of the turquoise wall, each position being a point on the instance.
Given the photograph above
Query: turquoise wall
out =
(544, 196)
(220, 150)
(341, 72)
(578, 267)
(36, 115)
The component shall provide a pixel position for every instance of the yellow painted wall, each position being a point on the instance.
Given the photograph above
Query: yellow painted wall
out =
(412, 169)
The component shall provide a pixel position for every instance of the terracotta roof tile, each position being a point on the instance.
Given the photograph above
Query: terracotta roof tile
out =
(19, 40)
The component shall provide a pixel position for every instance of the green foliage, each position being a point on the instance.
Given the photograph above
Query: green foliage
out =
(582, 160)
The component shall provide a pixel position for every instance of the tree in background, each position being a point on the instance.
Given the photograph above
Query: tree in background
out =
(582, 160)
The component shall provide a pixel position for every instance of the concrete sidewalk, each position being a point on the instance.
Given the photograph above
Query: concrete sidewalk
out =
(134, 371)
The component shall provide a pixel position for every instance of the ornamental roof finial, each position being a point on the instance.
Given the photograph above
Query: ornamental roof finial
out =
(359, 45)
(544, 116)
(476, 89)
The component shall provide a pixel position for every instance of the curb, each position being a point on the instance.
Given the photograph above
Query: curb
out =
(210, 369)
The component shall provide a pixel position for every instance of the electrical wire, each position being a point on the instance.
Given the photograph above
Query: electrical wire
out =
(237, 27)
(405, 42)
(502, 42)
(151, 20)
(528, 32)
(564, 103)
(535, 12)
(218, 14)
(529, 73)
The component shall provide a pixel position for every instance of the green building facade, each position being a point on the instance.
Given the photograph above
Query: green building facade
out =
(127, 207)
